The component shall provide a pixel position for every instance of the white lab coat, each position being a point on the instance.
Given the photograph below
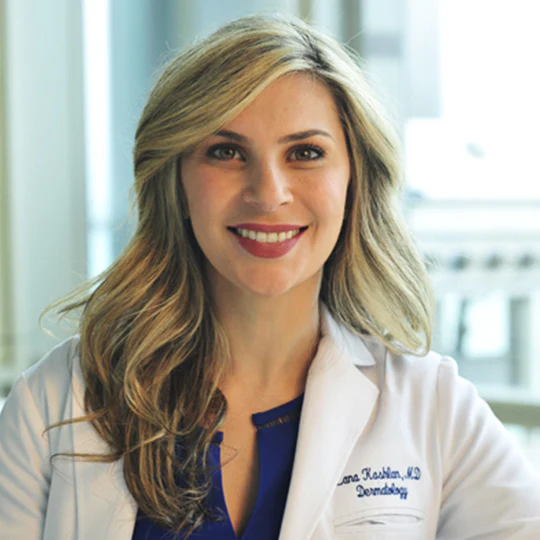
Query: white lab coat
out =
(389, 447)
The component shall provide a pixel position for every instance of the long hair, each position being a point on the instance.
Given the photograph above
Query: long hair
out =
(152, 349)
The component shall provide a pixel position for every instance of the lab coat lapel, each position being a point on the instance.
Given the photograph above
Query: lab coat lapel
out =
(104, 508)
(338, 403)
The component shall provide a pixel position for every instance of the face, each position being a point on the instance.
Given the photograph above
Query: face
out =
(280, 165)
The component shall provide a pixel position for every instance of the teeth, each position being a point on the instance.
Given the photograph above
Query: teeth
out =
(267, 238)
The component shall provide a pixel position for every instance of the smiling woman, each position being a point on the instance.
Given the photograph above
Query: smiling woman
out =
(256, 363)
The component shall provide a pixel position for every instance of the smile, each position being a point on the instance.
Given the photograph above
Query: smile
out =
(267, 245)
(267, 238)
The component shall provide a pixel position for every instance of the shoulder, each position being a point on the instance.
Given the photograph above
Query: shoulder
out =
(428, 387)
(50, 380)
(428, 390)
(55, 368)
(395, 371)
(411, 365)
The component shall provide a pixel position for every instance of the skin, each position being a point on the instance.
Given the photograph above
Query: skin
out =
(270, 306)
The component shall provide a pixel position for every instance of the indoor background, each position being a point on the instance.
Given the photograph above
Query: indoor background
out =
(457, 75)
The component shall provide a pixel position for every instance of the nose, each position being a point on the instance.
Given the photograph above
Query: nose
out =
(267, 187)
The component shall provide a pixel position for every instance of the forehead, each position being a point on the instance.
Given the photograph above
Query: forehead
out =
(294, 102)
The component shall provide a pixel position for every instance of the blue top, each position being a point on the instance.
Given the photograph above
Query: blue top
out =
(277, 431)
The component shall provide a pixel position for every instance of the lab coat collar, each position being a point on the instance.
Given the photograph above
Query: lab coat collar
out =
(338, 403)
(348, 347)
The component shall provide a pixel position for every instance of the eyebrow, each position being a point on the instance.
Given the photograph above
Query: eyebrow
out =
(287, 138)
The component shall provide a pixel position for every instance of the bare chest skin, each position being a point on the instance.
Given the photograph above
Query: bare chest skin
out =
(240, 470)
(240, 462)
(240, 458)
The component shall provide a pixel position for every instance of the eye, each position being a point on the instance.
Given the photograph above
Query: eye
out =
(224, 152)
(307, 152)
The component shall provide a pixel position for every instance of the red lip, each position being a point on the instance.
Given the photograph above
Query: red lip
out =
(268, 228)
(267, 251)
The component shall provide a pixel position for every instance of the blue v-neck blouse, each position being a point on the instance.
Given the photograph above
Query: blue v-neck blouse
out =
(277, 431)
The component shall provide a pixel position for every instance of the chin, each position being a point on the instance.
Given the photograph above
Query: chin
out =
(267, 289)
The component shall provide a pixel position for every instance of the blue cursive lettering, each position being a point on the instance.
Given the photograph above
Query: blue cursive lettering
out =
(385, 473)
(348, 479)
(368, 474)
(362, 491)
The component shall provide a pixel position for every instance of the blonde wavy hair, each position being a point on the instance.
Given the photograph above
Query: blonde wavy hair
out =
(152, 349)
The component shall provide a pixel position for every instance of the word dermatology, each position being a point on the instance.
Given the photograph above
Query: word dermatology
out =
(362, 491)
(385, 473)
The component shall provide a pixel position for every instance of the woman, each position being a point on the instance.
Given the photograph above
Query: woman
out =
(255, 364)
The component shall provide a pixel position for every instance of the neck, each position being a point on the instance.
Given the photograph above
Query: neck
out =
(272, 341)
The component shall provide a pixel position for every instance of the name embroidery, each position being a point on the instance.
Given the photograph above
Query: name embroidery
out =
(367, 474)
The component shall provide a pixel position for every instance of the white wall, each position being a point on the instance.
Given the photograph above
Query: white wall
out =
(44, 149)
(5, 303)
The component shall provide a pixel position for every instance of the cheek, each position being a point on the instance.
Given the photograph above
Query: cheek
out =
(330, 196)
(205, 195)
